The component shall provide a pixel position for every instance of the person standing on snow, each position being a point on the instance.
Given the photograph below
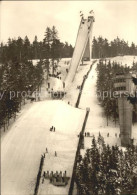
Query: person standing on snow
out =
(55, 153)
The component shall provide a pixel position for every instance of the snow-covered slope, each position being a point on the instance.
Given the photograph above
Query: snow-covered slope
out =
(28, 138)
(97, 122)
(124, 60)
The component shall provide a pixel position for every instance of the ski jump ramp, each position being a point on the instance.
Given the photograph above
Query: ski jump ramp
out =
(82, 50)
(83, 47)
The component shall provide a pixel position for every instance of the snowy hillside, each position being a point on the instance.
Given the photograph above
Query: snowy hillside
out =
(29, 136)
(124, 60)
(97, 122)
(22, 147)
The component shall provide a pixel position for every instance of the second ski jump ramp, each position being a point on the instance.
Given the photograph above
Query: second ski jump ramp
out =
(82, 42)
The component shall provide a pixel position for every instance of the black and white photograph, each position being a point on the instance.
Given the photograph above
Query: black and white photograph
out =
(68, 97)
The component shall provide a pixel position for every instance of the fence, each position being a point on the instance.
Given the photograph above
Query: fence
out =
(78, 152)
(39, 175)
(82, 85)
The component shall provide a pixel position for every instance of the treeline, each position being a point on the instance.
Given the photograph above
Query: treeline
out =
(102, 48)
(18, 77)
(18, 80)
(106, 71)
(23, 49)
(18, 74)
(107, 170)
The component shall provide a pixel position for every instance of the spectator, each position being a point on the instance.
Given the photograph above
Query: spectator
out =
(55, 153)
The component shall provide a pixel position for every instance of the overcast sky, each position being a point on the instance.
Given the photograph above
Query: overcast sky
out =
(112, 19)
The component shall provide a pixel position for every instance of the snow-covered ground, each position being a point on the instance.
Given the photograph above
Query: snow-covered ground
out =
(34, 62)
(72, 91)
(64, 163)
(97, 122)
(124, 60)
(55, 83)
(28, 138)
(24, 109)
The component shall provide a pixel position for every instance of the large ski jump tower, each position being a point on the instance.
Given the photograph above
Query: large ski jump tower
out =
(88, 49)
(83, 47)
(82, 51)
(125, 87)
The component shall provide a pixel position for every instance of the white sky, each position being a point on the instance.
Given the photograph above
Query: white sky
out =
(112, 19)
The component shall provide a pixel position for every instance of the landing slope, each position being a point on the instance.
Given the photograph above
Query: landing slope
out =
(28, 138)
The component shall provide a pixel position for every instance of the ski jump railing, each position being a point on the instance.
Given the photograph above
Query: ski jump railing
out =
(81, 135)
(39, 175)
(82, 86)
